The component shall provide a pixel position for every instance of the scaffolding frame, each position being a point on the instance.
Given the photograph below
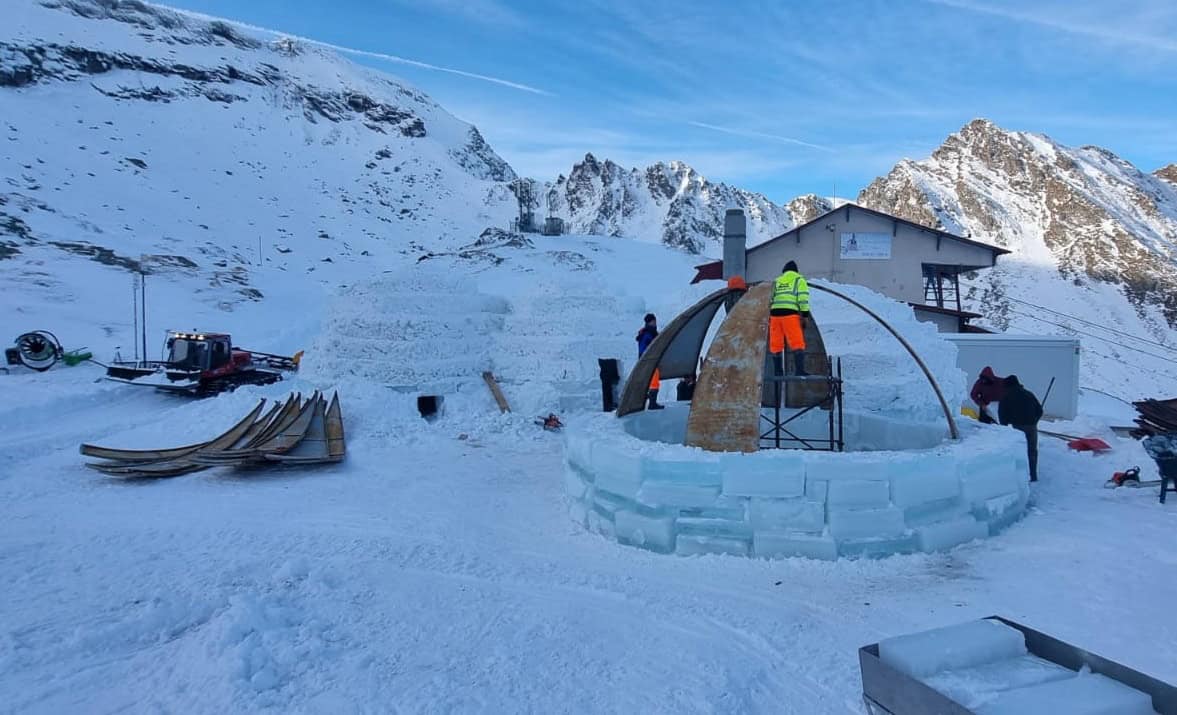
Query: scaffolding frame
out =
(832, 400)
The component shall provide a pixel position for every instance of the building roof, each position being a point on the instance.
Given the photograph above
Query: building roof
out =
(714, 270)
(945, 311)
(855, 207)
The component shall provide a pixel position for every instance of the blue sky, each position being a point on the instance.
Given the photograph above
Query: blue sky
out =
(780, 97)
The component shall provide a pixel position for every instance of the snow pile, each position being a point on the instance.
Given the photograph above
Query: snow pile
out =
(879, 375)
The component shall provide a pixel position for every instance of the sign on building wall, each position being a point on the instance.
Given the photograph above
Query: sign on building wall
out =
(865, 246)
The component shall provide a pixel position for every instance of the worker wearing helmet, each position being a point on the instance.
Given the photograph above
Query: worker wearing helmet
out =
(646, 336)
(788, 315)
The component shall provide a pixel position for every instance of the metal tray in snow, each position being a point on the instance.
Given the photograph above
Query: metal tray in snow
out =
(887, 691)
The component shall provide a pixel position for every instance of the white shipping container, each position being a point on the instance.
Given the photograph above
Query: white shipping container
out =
(1035, 359)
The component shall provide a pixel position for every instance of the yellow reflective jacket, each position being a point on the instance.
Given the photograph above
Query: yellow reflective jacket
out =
(790, 294)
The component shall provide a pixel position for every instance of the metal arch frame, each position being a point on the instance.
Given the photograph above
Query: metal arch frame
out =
(952, 430)
(637, 385)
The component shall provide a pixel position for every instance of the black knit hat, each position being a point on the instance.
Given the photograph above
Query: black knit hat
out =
(790, 266)
(649, 317)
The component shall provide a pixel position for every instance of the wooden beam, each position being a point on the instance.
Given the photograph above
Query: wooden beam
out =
(496, 391)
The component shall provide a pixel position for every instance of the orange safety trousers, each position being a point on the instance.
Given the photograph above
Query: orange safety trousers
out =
(656, 381)
(782, 329)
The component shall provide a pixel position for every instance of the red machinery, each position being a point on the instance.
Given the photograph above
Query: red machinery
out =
(203, 364)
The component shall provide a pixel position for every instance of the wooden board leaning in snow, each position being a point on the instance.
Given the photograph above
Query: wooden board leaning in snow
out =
(497, 391)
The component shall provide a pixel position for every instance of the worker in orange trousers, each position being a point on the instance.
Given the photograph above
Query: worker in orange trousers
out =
(788, 314)
(646, 336)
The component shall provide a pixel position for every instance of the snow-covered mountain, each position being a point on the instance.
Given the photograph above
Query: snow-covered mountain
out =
(670, 201)
(131, 130)
(1092, 237)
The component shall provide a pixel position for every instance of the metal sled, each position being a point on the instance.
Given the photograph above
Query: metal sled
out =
(887, 691)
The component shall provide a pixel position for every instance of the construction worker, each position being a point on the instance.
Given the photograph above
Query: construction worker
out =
(646, 336)
(988, 388)
(1020, 409)
(789, 314)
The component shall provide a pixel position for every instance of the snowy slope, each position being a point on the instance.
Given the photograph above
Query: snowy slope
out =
(1092, 240)
(669, 201)
(243, 167)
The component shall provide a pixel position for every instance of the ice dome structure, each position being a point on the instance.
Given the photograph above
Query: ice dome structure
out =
(863, 459)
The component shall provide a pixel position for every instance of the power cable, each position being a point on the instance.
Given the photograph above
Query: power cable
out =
(1095, 325)
(1166, 358)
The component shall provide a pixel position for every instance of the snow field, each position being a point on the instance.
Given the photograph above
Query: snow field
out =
(441, 570)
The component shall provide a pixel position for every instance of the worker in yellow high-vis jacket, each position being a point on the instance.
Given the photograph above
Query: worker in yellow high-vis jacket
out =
(790, 311)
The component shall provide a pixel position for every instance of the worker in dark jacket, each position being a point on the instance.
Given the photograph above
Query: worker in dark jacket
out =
(988, 388)
(788, 313)
(646, 336)
(685, 392)
(1020, 409)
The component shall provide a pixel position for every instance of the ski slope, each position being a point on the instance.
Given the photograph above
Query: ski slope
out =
(436, 570)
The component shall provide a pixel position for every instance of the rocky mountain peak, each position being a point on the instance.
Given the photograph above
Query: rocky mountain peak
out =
(1168, 173)
(1083, 226)
(807, 207)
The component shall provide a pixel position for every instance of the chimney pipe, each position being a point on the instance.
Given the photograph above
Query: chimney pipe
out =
(735, 243)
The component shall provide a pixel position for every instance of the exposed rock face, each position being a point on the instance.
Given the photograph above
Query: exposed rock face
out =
(1168, 173)
(671, 201)
(1092, 215)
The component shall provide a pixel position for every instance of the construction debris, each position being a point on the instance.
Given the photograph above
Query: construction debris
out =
(294, 432)
(551, 423)
(1156, 417)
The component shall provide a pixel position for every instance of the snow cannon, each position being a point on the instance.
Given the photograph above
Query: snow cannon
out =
(41, 350)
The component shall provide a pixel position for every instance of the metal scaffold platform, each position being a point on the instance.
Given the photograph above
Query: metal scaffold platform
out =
(780, 433)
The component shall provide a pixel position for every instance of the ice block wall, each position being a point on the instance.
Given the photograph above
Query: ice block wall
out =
(671, 498)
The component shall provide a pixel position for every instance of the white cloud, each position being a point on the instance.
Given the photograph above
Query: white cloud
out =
(1058, 21)
(367, 53)
(488, 12)
(758, 135)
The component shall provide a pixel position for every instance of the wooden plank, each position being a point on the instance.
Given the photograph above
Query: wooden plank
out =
(497, 391)
(159, 455)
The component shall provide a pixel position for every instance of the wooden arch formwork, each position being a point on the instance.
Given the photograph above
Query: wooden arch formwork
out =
(725, 414)
(675, 352)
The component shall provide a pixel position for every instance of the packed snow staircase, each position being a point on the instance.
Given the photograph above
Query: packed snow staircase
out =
(417, 330)
(426, 331)
(557, 343)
